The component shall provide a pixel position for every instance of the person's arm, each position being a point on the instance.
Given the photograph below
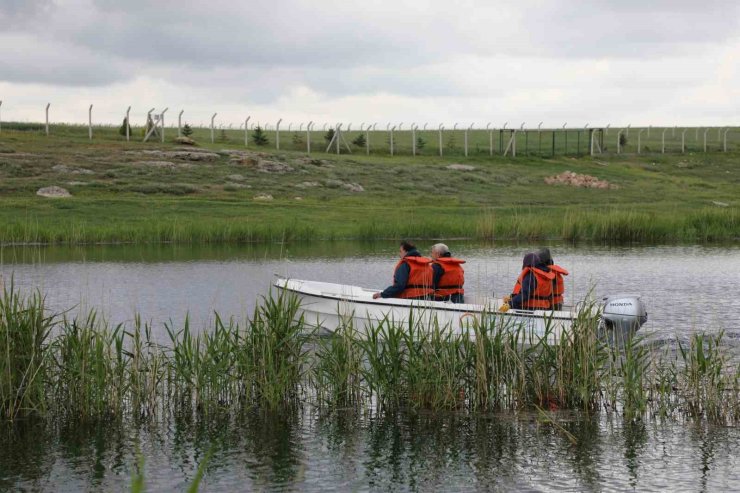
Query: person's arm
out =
(438, 271)
(529, 285)
(400, 279)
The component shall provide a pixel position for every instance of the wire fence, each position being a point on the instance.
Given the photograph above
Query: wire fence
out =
(414, 140)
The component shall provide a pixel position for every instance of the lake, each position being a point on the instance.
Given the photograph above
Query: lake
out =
(686, 289)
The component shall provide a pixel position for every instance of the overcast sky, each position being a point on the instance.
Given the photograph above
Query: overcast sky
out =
(642, 62)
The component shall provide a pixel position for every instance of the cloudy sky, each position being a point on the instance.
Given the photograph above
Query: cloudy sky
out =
(659, 62)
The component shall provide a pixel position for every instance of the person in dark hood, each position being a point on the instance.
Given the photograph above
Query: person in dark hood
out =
(533, 288)
(412, 277)
(558, 284)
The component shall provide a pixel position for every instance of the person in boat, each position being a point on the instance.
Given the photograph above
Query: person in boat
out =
(558, 284)
(412, 277)
(533, 288)
(448, 275)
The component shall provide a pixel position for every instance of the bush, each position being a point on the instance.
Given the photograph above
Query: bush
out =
(622, 140)
(420, 143)
(360, 140)
(259, 137)
(329, 135)
(187, 130)
(123, 127)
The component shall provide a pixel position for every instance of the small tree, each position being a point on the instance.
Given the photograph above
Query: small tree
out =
(360, 140)
(420, 143)
(124, 125)
(187, 130)
(222, 136)
(259, 137)
(622, 140)
(297, 139)
(329, 135)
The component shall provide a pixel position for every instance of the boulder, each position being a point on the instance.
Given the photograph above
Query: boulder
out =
(576, 180)
(53, 192)
(185, 141)
(235, 178)
(461, 167)
(273, 167)
(353, 187)
(263, 196)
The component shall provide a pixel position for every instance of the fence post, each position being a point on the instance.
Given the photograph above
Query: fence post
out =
(441, 127)
(179, 123)
(161, 121)
(539, 138)
(392, 129)
(465, 140)
(413, 140)
(724, 140)
(490, 139)
(639, 136)
(47, 118)
(619, 141)
(683, 140)
(705, 139)
(213, 136)
(1, 119)
(367, 140)
(308, 137)
(89, 122)
(565, 132)
(277, 135)
(128, 124)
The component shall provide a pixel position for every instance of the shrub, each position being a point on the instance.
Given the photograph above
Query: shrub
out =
(259, 137)
(187, 130)
(125, 125)
(360, 140)
(329, 135)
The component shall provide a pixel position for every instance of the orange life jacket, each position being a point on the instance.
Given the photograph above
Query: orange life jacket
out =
(541, 299)
(420, 277)
(452, 279)
(558, 285)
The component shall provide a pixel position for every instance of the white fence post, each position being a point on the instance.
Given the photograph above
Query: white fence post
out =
(246, 131)
(724, 140)
(392, 129)
(277, 135)
(705, 139)
(179, 123)
(413, 140)
(213, 135)
(308, 137)
(367, 140)
(47, 118)
(441, 127)
(1, 119)
(619, 143)
(128, 124)
(161, 121)
(683, 140)
(89, 122)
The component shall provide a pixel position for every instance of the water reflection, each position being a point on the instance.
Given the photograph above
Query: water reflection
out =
(353, 451)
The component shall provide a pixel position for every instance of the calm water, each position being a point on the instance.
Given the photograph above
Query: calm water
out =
(685, 288)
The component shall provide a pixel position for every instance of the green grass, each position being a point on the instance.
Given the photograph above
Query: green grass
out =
(660, 198)
(89, 372)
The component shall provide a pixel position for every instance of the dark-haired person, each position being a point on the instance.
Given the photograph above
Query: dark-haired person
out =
(558, 284)
(449, 277)
(533, 288)
(412, 277)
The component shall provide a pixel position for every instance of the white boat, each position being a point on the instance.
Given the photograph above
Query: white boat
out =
(329, 306)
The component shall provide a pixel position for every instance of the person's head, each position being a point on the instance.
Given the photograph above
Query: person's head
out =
(406, 247)
(440, 250)
(544, 255)
(530, 260)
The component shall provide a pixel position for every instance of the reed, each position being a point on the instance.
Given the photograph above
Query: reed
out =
(80, 369)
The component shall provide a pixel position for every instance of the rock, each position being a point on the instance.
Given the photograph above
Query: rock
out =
(273, 167)
(53, 192)
(353, 187)
(60, 168)
(720, 204)
(185, 141)
(263, 196)
(235, 178)
(156, 164)
(580, 181)
(297, 198)
(461, 167)
(77, 183)
(308, 184)
(243, 160)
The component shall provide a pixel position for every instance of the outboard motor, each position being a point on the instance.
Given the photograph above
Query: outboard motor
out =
(623, 314)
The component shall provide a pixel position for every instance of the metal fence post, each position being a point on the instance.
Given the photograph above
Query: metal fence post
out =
(47, 118)
(662, 141)
(179, 123)
(213, 135)
(277, 135)
(619, 141)
(441, 127)
(705, 139)
(683, 140)
(89, 122)
(128, 124)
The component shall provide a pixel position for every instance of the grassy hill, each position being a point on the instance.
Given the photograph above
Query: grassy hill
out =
(138, 192)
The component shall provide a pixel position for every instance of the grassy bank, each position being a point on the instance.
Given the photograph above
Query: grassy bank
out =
(82, 370)
(135, 192)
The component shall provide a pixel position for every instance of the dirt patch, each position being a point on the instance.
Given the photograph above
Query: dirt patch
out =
(53, 192)
(577, 180)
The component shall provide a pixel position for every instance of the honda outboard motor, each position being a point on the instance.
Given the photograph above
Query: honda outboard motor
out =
(623, 314)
